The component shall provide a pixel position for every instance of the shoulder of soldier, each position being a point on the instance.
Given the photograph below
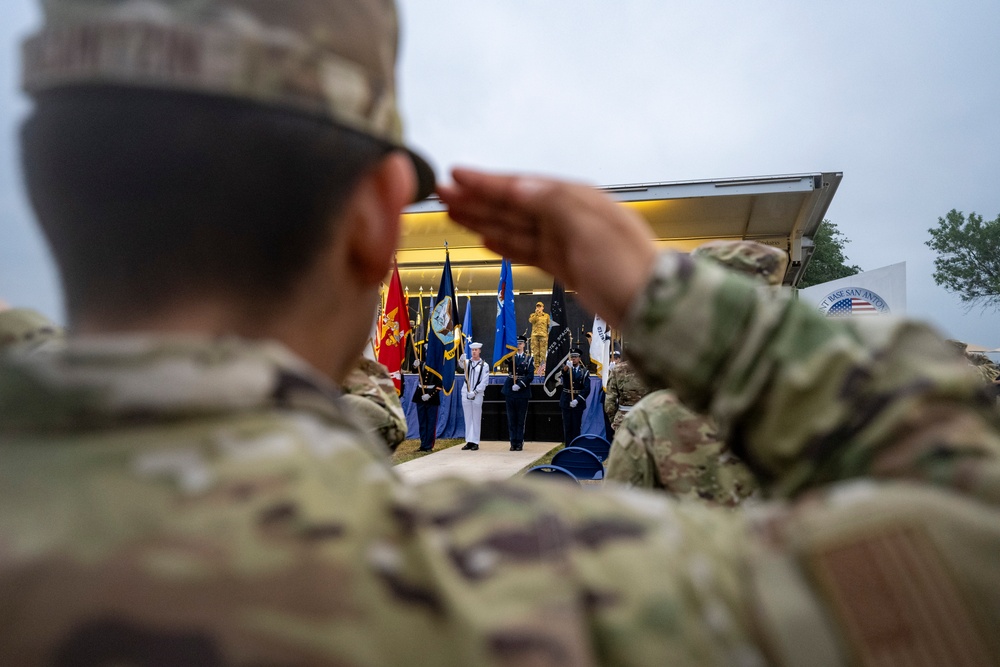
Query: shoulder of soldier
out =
(372, 368)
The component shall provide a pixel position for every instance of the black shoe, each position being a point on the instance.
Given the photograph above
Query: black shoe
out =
(517, 448)
(473, 446)
(467, 445)
(425, 450)
(513, 448)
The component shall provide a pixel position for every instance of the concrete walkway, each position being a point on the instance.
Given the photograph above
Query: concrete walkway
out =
(493, 460)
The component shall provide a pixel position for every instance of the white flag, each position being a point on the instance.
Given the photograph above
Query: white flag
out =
(371, 347)
(600, 347)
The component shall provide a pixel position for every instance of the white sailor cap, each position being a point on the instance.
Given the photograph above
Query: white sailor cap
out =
(475, 346)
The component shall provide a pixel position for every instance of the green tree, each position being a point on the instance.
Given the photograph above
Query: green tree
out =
(828, 261)
(968, 261)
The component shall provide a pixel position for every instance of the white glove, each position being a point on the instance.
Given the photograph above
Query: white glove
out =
(416, 363)
(471, 395)
(516, 387)
(573, 403)
(425, 397)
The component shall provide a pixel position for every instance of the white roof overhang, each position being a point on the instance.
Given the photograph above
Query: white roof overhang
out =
(781, 211)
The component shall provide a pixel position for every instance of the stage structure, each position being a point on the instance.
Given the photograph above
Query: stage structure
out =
(781, 211)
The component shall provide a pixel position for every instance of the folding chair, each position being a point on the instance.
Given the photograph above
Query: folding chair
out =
(595, 444)
(552, 472)
(582, 463)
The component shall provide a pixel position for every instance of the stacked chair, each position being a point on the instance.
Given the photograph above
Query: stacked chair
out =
(554, 472)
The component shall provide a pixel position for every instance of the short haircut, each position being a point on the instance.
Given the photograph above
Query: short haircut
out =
(149, 197)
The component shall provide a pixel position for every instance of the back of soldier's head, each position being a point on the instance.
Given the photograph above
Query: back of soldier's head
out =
(178, 148)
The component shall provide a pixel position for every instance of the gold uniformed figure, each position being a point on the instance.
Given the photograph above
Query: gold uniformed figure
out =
(539, 335)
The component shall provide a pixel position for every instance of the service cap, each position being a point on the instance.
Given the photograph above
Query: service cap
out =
(333, 59)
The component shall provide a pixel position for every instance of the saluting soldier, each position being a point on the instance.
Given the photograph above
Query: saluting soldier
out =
(575, 380)
(197, 494)
(540, 322)
(477, 376)
(517, 392)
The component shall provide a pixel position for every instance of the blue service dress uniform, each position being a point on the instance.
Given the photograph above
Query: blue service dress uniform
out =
(427, 411)
(573, 416)
(523, 367)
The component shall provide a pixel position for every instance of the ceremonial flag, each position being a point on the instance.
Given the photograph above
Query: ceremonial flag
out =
(505, 341)
(600, 348)
(371, 346)
(560, 338)
(394, 329)
(444, 332)
(467, 328)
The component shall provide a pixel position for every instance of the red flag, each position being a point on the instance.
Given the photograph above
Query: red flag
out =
(394, 327)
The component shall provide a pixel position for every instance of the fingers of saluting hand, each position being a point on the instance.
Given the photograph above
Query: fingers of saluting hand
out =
(560, 227)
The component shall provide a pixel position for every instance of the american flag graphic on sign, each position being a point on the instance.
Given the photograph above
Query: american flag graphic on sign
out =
(851, 306)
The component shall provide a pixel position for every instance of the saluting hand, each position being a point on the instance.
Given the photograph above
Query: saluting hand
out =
(561, 228)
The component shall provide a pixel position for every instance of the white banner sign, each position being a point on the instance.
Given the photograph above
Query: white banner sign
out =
(877, 292)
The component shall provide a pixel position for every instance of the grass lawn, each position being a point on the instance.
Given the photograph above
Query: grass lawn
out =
(410, 449)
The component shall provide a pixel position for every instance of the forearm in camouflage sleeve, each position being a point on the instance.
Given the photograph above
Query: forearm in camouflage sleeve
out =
(610, 399)
(803, 398)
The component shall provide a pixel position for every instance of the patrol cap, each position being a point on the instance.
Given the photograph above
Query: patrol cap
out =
(958, 345)
(540, 304)
(23, 326)
(332, 59)
(475, 346)
(747, 257)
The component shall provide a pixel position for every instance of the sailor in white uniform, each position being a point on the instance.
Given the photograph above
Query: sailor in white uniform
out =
(477, 376)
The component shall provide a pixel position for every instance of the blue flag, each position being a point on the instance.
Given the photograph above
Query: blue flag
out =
(505, 343)
(444, 338)
(467, 328)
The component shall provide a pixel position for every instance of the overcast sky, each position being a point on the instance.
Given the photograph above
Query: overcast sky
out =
(902, 97)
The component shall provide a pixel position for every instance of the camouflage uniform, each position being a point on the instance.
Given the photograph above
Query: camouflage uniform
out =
(370, 394)
(624, 390)
(28, 330)
(664, 445)
(213, 501)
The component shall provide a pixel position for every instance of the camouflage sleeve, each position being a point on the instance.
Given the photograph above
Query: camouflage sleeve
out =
(370, 396)
(611, 395)
(806, 399)
(542, 576)
(629, 462)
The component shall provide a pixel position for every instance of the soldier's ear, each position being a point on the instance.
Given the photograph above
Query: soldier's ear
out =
(373, 216)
